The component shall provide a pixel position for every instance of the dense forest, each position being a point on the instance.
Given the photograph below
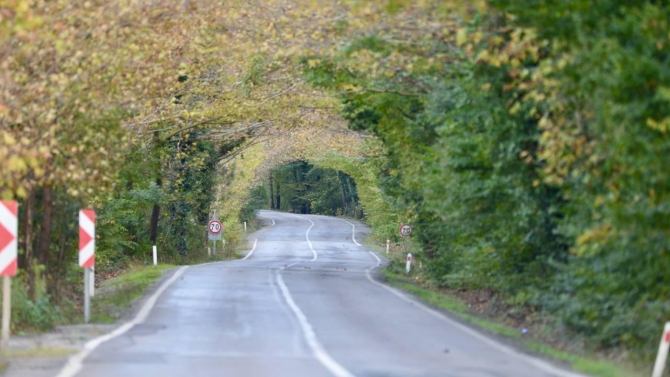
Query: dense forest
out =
(526, 141)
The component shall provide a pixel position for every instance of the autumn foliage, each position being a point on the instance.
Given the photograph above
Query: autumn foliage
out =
(526, 141)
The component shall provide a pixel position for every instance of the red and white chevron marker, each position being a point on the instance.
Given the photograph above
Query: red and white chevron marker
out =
(86, 238)
(9, 228)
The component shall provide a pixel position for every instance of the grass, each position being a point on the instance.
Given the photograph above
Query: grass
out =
(38, 352)
(117, 294)
(459, 309)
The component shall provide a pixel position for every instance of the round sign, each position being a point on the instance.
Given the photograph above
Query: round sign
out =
(405, 230)
(215, 227)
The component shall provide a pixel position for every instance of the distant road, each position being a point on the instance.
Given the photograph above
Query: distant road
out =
(304, 303)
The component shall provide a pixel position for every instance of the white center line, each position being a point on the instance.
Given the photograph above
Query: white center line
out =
(310, 336)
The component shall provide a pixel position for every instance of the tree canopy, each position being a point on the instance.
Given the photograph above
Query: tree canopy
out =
(525, 140)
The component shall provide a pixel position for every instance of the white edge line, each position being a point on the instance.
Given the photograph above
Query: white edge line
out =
(232, 260)
(353, 237)
(510, 351)
(75, 363)
(353, 232)
(266, 217)
(310, 336)
(531, 360)
(252, 250)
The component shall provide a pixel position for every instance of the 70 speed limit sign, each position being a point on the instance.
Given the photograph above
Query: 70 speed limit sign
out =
(405, 230)
(215, 227)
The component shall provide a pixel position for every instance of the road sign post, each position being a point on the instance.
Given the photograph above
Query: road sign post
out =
(214, 230)
(405, 231)
(9, 229)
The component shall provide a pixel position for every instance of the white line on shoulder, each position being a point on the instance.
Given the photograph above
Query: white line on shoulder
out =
(353, 231)
(74, 364)
(510, 351)
(252, 250)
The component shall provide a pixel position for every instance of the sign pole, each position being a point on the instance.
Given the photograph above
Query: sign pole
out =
(87, 295)
(9, 229)
(92, 282)
(6, 309)
(214, 247)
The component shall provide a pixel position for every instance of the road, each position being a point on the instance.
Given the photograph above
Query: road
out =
(305, 302)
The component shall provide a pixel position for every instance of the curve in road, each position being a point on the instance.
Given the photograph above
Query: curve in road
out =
(302, 302)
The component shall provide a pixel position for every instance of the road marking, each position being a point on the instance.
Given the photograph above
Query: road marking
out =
(75, 363)
(298, 346)
(307, 237)
(273, 220)
(252, 250)
(310, 336)
(232, 260)
(310, 242)
(508, 350)
(353, 232)
(353, 237)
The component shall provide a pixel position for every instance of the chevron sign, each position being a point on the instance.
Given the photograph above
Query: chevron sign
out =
(9, 227)
(87, 238)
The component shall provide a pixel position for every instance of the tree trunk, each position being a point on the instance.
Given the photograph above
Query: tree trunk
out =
(25, 237)
(27, 260)
(155, 214)
(272, 193)
(278, 200)
(344, 200)
(47, 222)
(132, 230)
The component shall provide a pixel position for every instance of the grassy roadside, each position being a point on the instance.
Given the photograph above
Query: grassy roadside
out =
(117, 294)
(589, 364)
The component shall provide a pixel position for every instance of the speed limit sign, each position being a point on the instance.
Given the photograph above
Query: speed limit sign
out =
(215, 227)
(405, 230)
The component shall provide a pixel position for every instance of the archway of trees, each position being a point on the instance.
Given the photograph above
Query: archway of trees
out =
(527, 140)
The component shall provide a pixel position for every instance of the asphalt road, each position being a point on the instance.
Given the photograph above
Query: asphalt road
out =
(304, 303)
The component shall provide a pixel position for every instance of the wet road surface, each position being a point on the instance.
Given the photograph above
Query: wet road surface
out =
(304, 303)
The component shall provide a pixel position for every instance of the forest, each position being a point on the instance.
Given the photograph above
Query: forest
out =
(526, 141)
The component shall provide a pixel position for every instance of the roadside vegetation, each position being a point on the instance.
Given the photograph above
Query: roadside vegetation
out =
(526, 141)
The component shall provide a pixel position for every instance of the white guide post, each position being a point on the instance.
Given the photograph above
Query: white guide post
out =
(408, 265)
(209, 251)
(245, 227)
(662, 356)
(388, 246)
(155, 251)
